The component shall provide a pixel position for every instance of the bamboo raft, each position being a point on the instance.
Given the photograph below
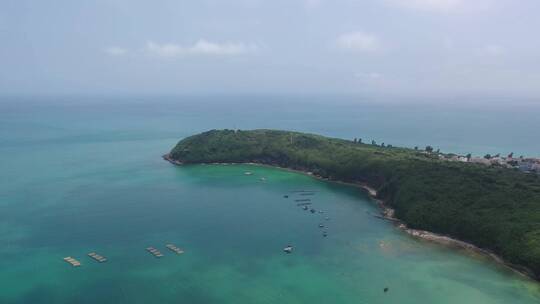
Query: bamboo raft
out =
(303, 200)
(303, 204)
(174, 249)
(154, 252)
(72, 261)
(97, 257)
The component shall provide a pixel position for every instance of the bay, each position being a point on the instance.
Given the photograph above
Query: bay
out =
(85, 174)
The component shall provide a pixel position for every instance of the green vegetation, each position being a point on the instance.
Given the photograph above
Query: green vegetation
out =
(495, 208)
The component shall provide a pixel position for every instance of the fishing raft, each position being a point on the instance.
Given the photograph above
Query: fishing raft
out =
(97, 257)
(174, 249)
(72, 261)
(156, 253)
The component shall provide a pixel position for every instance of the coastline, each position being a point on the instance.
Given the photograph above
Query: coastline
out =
(387, 213)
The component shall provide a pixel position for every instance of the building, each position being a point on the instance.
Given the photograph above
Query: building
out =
(480, 160)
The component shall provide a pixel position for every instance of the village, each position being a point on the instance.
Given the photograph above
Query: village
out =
(524, 164)
(521, 163)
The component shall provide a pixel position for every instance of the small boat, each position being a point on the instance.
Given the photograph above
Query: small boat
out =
(248, 173)
(325, 234)
(321, 226)
(305, 207)
(327, 218)
(312, 210)
(285, 196)
(288, 249)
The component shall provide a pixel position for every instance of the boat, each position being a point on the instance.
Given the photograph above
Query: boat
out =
(248, 173)
(288, 249)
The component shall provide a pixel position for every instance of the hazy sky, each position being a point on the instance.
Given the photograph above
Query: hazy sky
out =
(369, 47)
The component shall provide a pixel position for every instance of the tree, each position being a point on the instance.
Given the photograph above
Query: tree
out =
(373, 142)
(468, 156)
(438, 151)
(359, 140)
(429, 149)
(416, 147)
(355, 140)
(487, 156)
(382, 145)
(511, 155)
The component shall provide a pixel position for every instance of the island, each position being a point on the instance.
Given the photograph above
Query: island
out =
(493, 207)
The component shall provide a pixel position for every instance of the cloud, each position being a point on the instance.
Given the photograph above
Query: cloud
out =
(368, 76)
(201, 47)
(429, 5)
(312, 4)
(445, 6)
(448, 43)
(115, 51)
(358, 41)
(491, 50)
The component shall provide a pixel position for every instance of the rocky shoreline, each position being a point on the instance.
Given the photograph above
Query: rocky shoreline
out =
(388, 213)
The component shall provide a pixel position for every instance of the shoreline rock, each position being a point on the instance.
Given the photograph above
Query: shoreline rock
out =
(168, 158)
(389, 214)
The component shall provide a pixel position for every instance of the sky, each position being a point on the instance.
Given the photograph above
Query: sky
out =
(419, 48)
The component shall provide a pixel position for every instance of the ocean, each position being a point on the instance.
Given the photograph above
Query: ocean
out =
(85, 174)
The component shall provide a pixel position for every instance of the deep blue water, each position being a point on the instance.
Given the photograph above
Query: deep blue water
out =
(461, 128)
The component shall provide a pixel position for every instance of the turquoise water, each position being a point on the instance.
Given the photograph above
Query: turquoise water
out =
(87, 176)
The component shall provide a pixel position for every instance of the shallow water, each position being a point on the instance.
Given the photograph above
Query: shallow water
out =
(82, 179)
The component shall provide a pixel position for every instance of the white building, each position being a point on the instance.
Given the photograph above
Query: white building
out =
(480, 160)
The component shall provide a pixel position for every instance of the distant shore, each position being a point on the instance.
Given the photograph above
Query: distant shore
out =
(388, 213)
